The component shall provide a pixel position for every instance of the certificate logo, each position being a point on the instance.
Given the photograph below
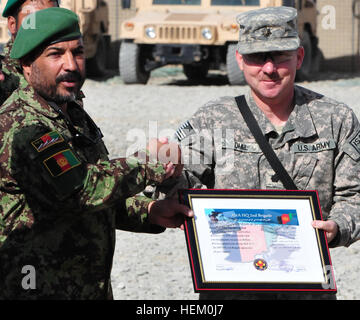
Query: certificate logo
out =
(260, 264)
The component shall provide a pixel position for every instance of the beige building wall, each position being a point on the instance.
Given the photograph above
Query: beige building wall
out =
(338, 32)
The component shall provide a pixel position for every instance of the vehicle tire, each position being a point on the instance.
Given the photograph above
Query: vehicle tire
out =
(318, 60)
(305, 71)
(131, 64)
(196, 72)
(234, 74)
(96, 66)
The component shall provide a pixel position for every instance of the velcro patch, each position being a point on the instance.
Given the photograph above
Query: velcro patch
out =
(61, 162)
(355, 142)
(184, 130)
(313, 147)
(241, 146)
(47, 140)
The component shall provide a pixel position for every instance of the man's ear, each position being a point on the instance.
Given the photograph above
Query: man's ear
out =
(26, 67)
(300, 53)
(239, 60)
(12, 25)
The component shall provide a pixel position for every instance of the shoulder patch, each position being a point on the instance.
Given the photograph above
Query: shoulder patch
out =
(61, 162)
(352, 147)
(355, 142)
(47, 140)
(184, 130)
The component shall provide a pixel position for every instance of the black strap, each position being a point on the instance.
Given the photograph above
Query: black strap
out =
(264, 144)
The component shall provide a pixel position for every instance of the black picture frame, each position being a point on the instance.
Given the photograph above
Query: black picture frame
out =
(195, 230)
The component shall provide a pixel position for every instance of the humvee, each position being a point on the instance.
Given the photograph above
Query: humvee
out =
(201, 35)
(94, 23)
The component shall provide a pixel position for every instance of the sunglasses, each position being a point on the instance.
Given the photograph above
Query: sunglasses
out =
(277, 57)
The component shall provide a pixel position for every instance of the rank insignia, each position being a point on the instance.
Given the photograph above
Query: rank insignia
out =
(61, 162)
(47, 141)
(260, 264)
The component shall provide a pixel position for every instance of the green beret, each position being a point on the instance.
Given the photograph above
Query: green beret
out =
(45, 26)
(11, 6)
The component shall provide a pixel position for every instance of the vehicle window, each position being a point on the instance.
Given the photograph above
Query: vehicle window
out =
(178, 2)
(235, 2)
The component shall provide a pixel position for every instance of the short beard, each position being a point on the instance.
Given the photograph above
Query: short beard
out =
(49, 92)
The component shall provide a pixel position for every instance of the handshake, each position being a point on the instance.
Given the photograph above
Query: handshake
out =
(168, 213)
(169, 154)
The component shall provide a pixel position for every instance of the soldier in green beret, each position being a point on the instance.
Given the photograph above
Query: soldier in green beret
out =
(15, 11)
(61, 198)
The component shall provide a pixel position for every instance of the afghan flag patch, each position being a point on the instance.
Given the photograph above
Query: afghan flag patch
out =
(47, 140)
(61, 162)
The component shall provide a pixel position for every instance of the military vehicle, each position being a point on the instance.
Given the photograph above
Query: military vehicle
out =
(201, 35)
(94, 22)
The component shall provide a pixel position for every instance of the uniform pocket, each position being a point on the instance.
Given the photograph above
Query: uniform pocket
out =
(304, 168)
(238, 167)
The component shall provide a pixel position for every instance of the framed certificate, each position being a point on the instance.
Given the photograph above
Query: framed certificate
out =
(257, 240)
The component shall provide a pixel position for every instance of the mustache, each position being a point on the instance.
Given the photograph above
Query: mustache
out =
(273, 77)
(70, 76)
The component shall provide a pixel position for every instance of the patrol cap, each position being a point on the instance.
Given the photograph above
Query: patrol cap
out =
(268, 29)
(47, 26)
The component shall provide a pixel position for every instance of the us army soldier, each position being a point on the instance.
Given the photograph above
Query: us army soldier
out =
(315, 137)
(61, 198)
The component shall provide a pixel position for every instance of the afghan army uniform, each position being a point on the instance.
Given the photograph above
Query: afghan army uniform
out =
(61, 198)
(10, 69)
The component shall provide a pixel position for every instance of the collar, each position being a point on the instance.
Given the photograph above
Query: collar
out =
(38, 103)
(300, 120)
(299, 124)
(263, 122)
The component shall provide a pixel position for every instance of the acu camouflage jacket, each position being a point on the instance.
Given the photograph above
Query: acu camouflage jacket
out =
(319, 147)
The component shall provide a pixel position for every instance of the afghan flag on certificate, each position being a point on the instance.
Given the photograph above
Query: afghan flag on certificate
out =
(285, 218)
(61, 162)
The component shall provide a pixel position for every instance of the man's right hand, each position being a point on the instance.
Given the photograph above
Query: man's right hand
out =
(169, 213)
(167, 153)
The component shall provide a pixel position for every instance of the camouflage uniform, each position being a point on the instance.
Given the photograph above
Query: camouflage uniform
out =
(10, 69)
(319, 147)
(61, 200)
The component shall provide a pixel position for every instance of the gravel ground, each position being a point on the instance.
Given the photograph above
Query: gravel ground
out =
(156, 266)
